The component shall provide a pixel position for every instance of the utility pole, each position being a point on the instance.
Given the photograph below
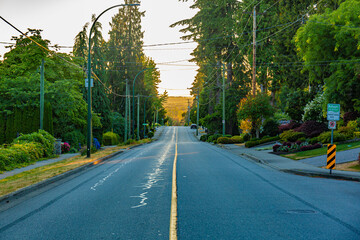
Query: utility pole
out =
(42, 94)
(197, 114)
(129, 112)
(188, 111)
(254, 53)
(126, 111)
(223, 110)
(138, 118)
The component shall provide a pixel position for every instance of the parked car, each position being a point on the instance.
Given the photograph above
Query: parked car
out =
(193, 126)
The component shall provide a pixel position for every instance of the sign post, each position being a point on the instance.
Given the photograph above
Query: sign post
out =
(333, 115)
(331, 157)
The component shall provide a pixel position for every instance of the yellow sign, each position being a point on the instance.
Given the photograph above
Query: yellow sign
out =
(331, 156)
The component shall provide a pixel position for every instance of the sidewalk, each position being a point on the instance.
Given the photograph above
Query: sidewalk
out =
(37, 164)
(290, 166)
(287, 165)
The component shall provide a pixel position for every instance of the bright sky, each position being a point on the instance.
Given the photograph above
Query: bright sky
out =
(62, 20)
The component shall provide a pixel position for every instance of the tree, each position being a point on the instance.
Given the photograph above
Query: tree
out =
(329, 45)
(255, 108)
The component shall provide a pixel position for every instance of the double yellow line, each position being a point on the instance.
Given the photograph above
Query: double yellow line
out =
(173, 212)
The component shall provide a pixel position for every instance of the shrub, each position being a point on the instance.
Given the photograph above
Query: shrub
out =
(224, 140)
(246, 137)
(348, 116)
(237, 139)
(110, 138)
(42, 137)
(74, 138)
(65, 147)
(310, 147)
(289, 126)
(291, 136)
(357, 134)
(313, 140)
(312, 128)
(348, 131)
(271, 127)
(276, 147)
(213, 138)
(130, 141)
(96, 144)
(326, 137)
(150, 134)
(20, 154)
(203, 138)
(73, 150)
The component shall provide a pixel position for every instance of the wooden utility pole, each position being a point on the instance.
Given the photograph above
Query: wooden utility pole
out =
(254, 53)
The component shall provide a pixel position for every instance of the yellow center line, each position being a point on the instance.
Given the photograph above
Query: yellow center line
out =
(173, 212)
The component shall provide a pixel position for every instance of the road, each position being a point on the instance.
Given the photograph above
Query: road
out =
(220, 196)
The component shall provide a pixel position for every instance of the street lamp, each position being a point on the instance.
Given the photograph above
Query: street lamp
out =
(89, 77)
(133, 101)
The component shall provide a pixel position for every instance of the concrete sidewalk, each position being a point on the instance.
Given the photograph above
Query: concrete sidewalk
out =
(290, 166)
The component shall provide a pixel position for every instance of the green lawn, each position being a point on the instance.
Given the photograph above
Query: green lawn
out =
(357, 167)
(321, 151)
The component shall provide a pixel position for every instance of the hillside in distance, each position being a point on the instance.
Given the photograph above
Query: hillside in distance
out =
(176, 108)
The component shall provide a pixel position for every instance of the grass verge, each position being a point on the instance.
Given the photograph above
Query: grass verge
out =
(30, 177)
(320, 151)
(349, 166)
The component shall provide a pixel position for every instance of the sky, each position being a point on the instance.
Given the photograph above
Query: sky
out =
(62, 20)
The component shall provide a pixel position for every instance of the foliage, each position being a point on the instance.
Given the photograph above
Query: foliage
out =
(348, 131)
(213, 138)
(20, 154)
(313, 140)
(96, 144)
(314, 109)
(270, 127)
(325, 137)
(245, 126)
(291, 136)
(212, 122)
(75, 138)
(349, 116)
(203, 138)
(255, 108)
(289, 126)
(224, 140)
(42, 137)
(110, 138)
(296, 100)
(310, 147)
(65, 147)
(237, 139)
(312, 128)
(328, 43)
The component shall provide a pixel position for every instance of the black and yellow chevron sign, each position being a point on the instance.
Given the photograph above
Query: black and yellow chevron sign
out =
(331, 156)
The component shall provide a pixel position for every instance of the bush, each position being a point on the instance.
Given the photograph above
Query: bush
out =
(276, 147)
(314, 140)
(291, 136)
(213, 138)
(224, 140)
(73, 150)
(74, 138)
(130, 141)
(289, 126)
(42, 137)
(65, 147)
(347, 131)
(326, 137)
(349, 116)
(312, 128)
(203, 138)
(237, 139)
(246, 137)
(271, 127)
(96, 144)
(310, 147)
(110, 138)
(150, 134)
(20, 155)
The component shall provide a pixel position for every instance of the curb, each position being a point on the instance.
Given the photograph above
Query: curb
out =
(304, 173)
(23, 191)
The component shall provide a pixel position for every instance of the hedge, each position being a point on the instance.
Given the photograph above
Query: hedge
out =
(42, 137)
(291, 136)
(110, 138)
(250, 144)
(20, 154)
(237, 139)
(224, 140)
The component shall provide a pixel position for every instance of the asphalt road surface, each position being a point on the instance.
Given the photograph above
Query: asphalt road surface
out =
(220, 196)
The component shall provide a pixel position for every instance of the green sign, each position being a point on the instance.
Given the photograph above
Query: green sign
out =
(333, 112)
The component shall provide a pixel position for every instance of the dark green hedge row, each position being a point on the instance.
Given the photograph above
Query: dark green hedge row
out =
(24, 121)
(110, 138)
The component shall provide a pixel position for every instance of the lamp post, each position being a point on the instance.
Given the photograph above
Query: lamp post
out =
(89, 77)
(133, 100)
